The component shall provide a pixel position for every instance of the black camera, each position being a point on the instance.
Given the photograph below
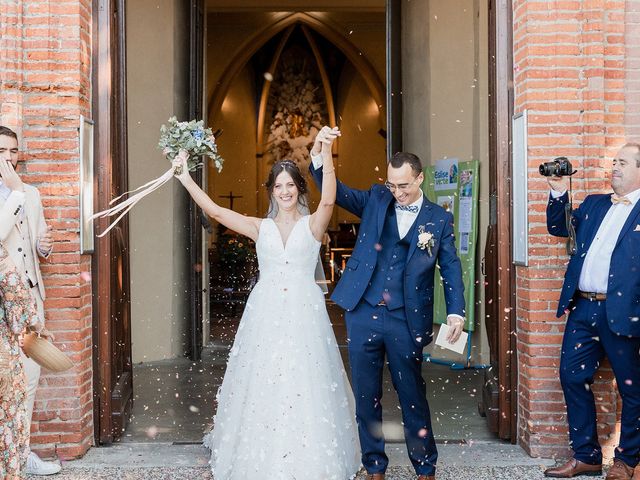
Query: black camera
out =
(560, 167)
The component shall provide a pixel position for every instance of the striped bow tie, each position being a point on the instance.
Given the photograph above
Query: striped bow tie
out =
(407, 208)
(615, 199)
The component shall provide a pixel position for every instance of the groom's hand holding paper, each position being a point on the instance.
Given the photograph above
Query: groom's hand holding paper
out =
(457, 346)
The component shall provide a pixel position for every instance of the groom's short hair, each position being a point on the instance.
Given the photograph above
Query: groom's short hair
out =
(400, 158)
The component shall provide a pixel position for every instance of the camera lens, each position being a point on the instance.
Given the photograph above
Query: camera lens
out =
(560, 167)
(548, 169)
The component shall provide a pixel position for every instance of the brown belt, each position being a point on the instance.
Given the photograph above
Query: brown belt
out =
(593, 296)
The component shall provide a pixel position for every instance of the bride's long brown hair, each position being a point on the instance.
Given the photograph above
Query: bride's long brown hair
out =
(292, 169)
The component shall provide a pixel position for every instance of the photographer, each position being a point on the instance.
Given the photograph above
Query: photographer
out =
(601, 295)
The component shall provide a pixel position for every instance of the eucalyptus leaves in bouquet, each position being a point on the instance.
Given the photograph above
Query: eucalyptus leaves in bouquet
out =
(191, 137)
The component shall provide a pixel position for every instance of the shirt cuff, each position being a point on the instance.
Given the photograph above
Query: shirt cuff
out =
(556, 194)
(317, 161)
(43, 253)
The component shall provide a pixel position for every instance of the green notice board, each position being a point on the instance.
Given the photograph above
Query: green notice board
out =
(454, 186)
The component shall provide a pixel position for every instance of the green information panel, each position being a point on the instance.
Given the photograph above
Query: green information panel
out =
(454, 186)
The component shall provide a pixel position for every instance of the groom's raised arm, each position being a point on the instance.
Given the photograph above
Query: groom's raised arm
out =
(350, 199)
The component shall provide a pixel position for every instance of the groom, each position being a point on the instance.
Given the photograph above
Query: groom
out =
(387, 292)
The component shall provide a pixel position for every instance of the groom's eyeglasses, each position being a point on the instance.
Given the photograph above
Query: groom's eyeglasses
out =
(401, 186)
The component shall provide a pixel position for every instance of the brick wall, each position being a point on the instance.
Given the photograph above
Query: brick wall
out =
(632, 70)
(45, 75)
(569, 61)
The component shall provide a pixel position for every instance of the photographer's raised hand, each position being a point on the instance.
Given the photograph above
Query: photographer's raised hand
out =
(559, 184)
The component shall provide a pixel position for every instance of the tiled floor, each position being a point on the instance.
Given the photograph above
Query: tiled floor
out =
(175, 399)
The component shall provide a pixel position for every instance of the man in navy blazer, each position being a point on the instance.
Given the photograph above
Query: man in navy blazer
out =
(601, 295)
(387, 292)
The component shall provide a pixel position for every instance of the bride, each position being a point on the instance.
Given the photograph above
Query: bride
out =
(285, 407)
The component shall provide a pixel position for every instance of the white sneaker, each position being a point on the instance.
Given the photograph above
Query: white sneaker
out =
(36, 466)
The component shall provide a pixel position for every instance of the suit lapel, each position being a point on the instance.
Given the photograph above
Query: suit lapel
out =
(632, 219)
(382, 212)
(423, 216)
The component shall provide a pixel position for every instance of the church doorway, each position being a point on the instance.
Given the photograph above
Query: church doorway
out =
(417, 76)
(438, 86)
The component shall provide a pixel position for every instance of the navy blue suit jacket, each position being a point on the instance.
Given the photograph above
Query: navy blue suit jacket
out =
(623, 290)
(371, 206)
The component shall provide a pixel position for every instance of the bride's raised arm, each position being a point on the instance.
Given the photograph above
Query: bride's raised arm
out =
(319, 221)
(247, 226)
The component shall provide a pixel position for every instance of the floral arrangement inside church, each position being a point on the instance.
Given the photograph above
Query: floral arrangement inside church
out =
(298, 109)
(234, 250)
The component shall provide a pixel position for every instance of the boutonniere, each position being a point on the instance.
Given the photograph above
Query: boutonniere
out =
(425, 239)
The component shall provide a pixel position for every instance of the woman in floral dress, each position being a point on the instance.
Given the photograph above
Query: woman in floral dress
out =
(17, 312)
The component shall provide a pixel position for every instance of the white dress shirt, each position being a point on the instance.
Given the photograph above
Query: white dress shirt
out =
(594, 276)
(406, 219)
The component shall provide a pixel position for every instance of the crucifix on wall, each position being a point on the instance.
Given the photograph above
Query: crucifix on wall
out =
(231, 198)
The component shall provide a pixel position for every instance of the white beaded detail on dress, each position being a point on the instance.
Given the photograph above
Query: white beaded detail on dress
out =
(285, 407)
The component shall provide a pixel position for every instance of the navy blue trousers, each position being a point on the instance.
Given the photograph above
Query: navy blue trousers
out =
(373, 333)
(587, 339)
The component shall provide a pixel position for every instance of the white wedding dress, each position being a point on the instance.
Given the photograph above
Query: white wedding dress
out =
(285, 407)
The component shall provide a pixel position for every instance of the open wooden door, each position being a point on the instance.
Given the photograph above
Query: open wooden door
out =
(113, 376)
(194, 232)
(499, 399)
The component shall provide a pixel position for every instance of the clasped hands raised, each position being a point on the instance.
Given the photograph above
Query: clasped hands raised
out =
(324, 139)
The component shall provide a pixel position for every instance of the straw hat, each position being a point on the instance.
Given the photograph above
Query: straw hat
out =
(45, 354)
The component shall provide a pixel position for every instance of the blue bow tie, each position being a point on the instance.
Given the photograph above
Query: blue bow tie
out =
(407, 208)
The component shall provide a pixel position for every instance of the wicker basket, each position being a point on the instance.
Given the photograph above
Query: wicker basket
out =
(45, 354)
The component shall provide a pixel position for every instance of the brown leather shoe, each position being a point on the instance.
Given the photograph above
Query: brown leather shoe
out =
(620, 471)
(573, 468)
(375, 476)
(426, 477)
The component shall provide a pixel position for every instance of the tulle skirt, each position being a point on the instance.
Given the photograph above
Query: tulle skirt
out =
(285, 407)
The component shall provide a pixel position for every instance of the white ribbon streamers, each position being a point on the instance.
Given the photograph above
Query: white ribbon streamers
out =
(124, 207)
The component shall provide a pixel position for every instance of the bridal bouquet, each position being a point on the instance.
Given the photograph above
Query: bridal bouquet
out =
(192, 137)
(179, 138)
